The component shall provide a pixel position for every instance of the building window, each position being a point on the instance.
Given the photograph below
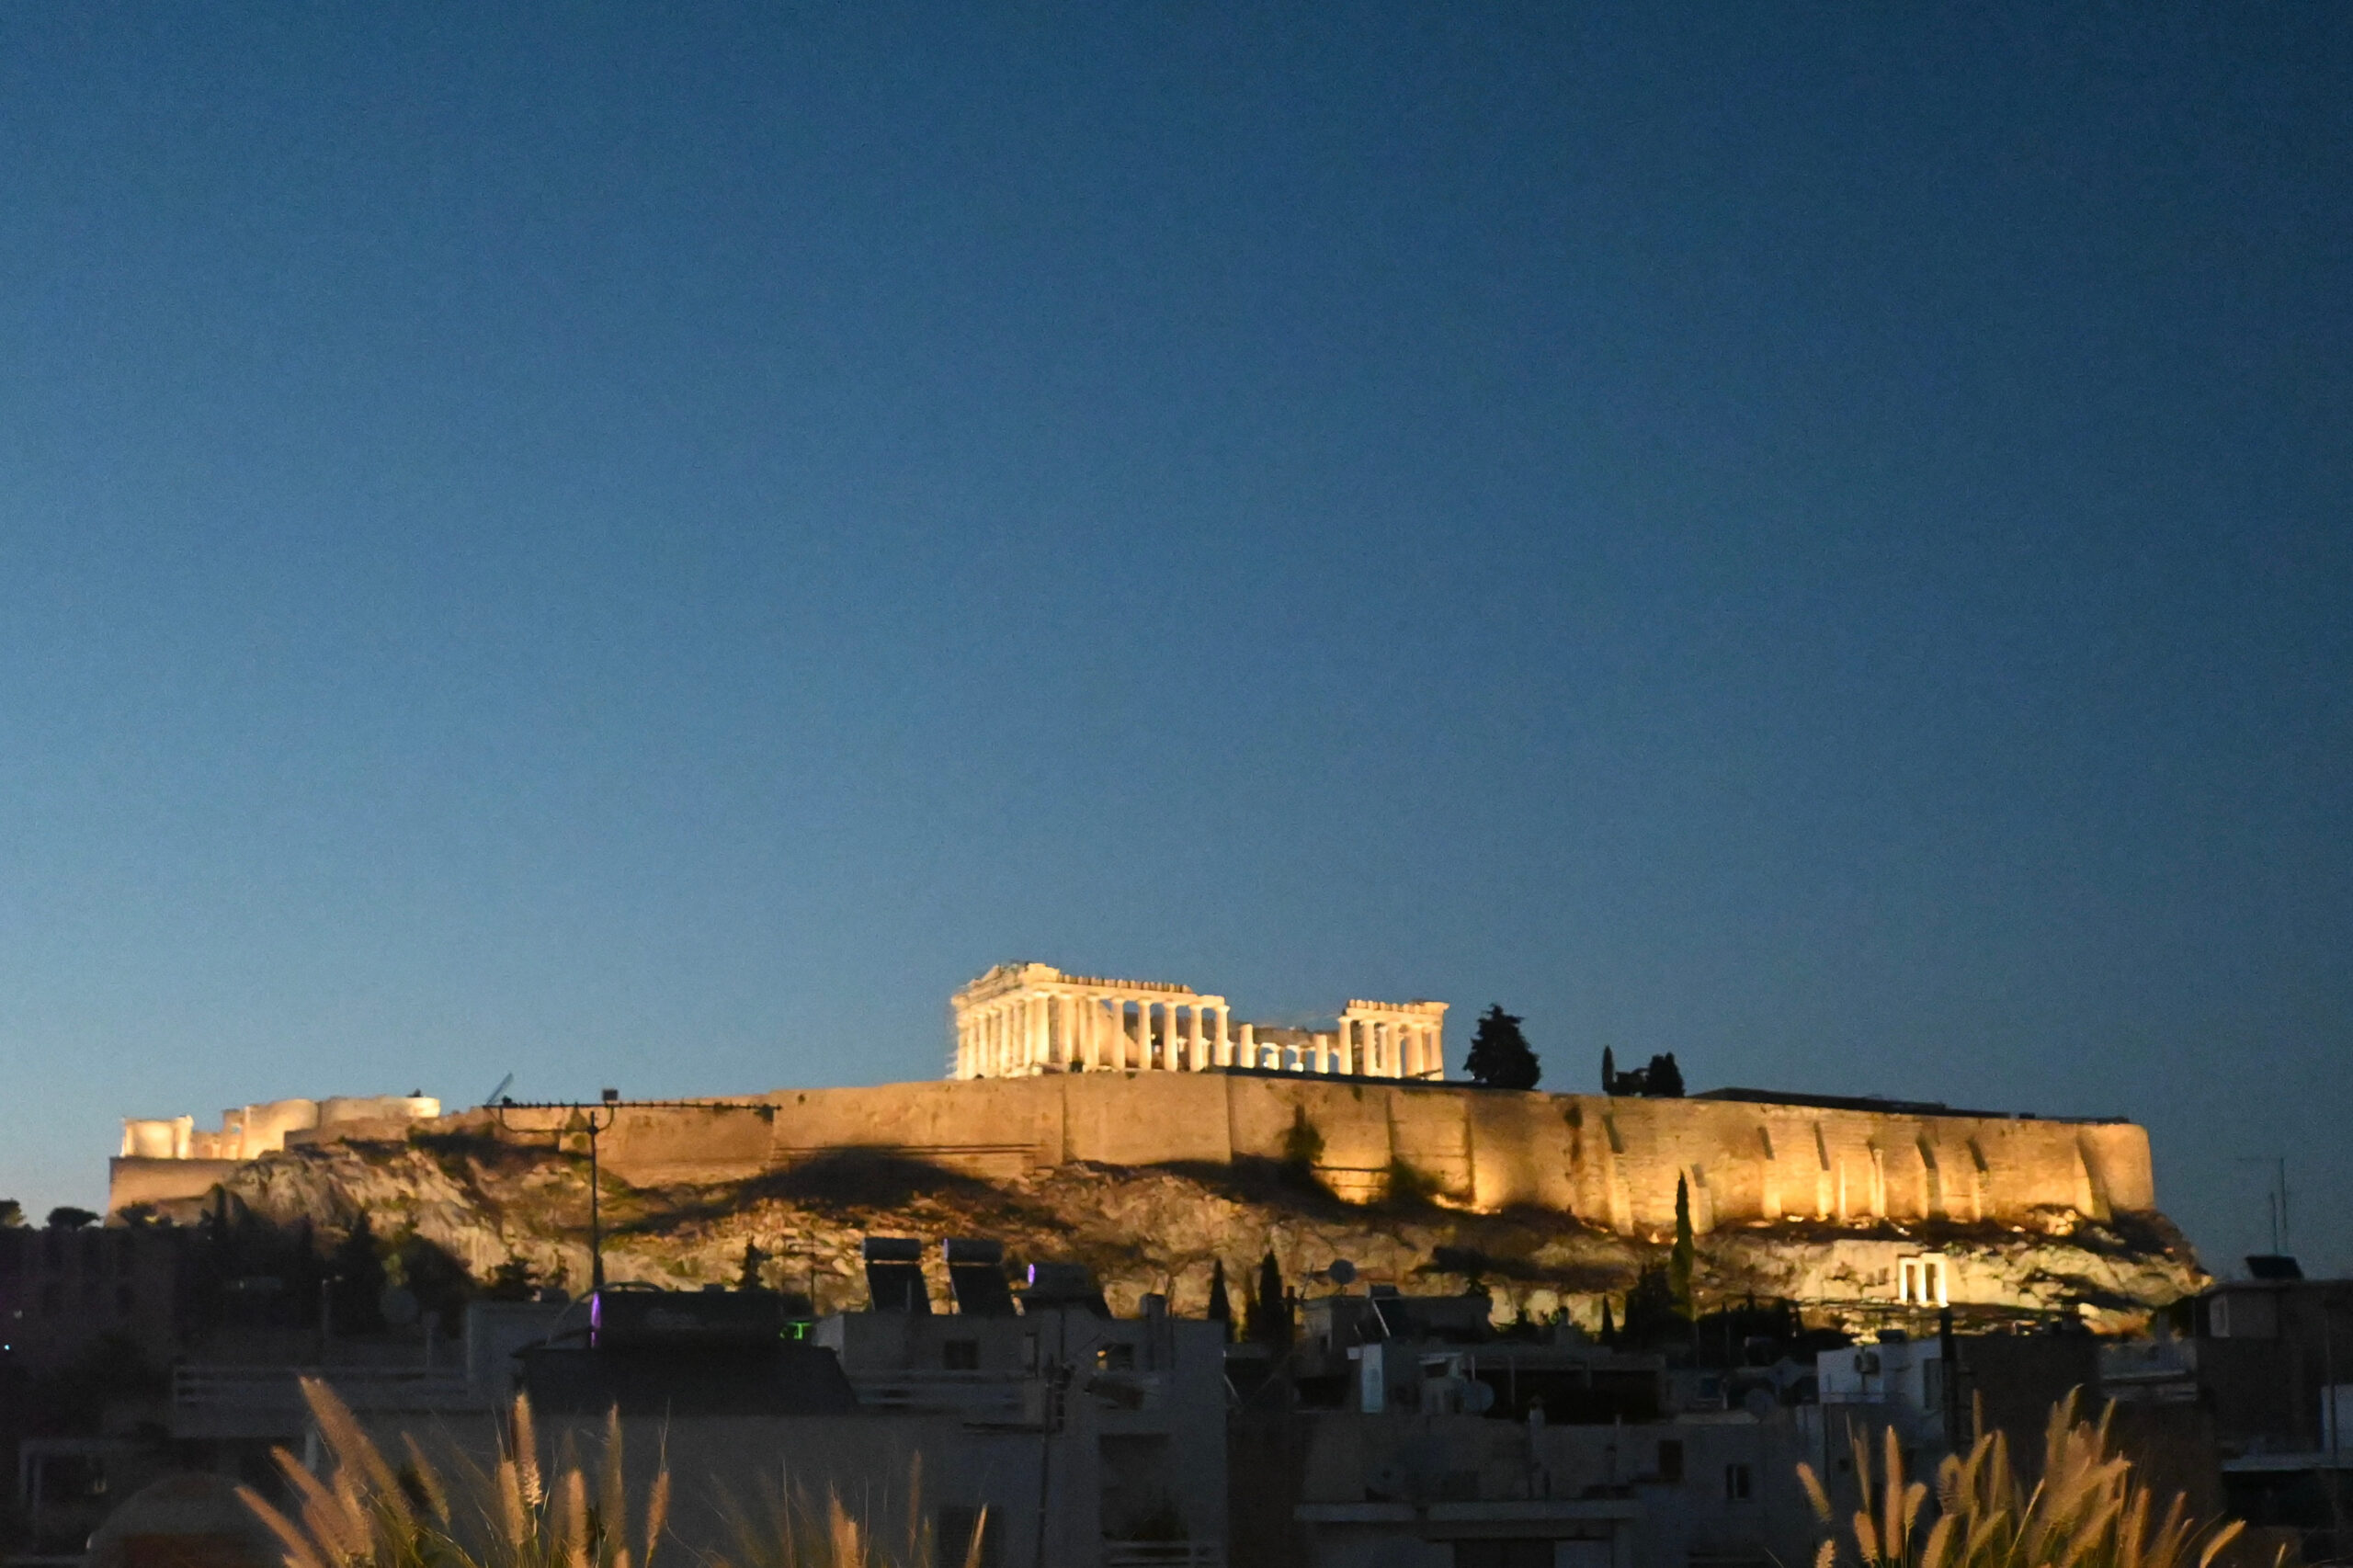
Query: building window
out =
(1920, 1281)
(951, 1539)
(1670, 1460)
(960, 1355)
(1739, 1485)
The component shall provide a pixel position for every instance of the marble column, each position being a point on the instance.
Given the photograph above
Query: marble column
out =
(1246, 1045)
(1196, 1046)
(1224, 1043)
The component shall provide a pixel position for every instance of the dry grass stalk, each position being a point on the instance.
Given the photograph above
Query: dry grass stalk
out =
(2089, 1510)
(365, 1513)
(787, 1528)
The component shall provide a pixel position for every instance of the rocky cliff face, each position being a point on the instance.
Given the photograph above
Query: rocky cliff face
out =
(1160, 1229)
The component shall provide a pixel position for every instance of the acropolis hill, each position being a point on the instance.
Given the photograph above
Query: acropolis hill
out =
(1131, 1124)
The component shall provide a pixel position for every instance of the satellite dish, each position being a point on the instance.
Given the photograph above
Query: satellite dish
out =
(399, 1307)
(1342, 1272)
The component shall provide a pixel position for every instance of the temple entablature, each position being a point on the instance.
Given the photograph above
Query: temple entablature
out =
(1021, 1019)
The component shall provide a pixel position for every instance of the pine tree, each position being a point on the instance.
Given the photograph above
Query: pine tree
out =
(1221, 1303)
(1680, 1262)
(1500, 1055)
(1664, 1079)
(511, 1280)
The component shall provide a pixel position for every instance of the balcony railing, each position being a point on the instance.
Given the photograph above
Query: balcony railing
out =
(1162, 1554)
(225, 1402)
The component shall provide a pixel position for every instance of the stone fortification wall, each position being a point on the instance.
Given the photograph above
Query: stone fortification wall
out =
(249, 1131)
(1615, 1162)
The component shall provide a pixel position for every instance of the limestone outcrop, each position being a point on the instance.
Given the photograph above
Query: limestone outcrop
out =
(486, 1199)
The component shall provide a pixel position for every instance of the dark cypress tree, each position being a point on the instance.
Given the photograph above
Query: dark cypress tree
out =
(1680, 1262)
(1608, 1334)
(749, 1278)
(1268, 1321)
(1221, 1303)
(1500, 1054)
(1608, 1078)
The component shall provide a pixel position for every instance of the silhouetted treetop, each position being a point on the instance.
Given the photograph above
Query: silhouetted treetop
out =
(1500, 1054)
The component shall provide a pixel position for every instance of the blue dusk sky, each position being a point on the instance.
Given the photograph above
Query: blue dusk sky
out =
(643, 546)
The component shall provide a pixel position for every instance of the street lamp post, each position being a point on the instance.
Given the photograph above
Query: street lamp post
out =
(609, 1104)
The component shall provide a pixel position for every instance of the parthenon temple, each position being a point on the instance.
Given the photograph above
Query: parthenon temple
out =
(1022, 1019)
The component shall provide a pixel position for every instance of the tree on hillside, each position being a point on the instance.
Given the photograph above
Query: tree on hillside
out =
(356, 1273)
(65, 1217)
(1500, 1055)
(512, 1280)
(1221, 1309)
(12, 1213)
(1685, 1253)
(1268, 1321)
(1661, 1080)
